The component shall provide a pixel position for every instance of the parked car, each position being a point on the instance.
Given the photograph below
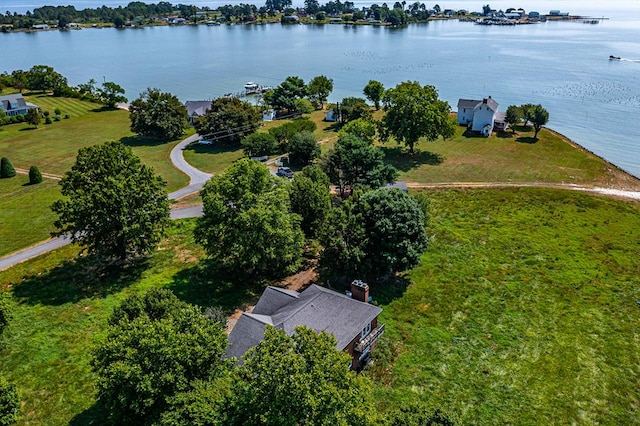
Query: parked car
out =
(205, 142)
(285, 172)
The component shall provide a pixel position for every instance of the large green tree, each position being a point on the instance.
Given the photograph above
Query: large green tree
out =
(157, 348)
(303, 149)
(376, 234)
(354, 162)
(247, 224)
(513, 116)
(352, 109)
(310, 198)
(413, 112)
(319, 89)
(114, 205)
(540, 118)
(158, 115)
(33, 117)
(299, 380)
(362, 128)
(44, 78)
(111, 94)
(259, 144)
(229, 120)
(285, 132)
(283, 97)
(374, 91)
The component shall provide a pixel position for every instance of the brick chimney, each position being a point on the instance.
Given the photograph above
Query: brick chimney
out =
(360, 291)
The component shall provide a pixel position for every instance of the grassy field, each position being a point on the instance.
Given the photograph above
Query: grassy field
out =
(505, 158)
(522, 311)
(25, 216)
(53, 147)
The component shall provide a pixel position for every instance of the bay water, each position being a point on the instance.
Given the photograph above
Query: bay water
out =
(564, 66)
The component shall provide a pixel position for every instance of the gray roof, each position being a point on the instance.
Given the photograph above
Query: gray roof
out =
(197, 107)
(317, 307)
(473, 103)
(6, 101)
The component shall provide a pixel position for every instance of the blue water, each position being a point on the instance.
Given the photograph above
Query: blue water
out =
(563, 66)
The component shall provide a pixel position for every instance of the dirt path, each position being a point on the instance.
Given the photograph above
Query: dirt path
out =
(44, 175)
(622, 193)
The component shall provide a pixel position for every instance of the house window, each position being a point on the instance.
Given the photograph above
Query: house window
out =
(365, 331)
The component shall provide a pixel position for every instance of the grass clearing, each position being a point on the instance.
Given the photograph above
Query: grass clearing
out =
(25, 216)
(522, 311)
(505, 158)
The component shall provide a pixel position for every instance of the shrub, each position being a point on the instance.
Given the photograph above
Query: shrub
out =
(48, 120)
(67, 116)
(57, 111)
(34, 175)
(9, 403)
(46, 113)
(6, 168)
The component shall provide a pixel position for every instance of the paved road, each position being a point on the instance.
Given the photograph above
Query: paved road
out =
(197, 180)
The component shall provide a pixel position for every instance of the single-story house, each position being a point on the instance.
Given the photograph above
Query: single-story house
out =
(350, 318)
(534, 15)
(478, 115)
(15, 105)
(196, 109)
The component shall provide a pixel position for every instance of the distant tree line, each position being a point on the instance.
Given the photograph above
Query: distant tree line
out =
(399, 13)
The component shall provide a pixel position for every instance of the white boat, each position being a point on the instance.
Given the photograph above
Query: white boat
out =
(251, 86)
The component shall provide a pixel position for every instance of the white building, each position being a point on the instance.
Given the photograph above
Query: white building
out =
(480, 116)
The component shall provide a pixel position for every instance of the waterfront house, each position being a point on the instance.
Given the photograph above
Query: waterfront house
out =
(196, 109)
(15, 104)
(350, 318)
(269, 115)
(478, 115)
(40, 27)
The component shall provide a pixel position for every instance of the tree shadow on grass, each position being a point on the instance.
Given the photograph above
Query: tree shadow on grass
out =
(505, 134)
(207, 284)
(78, 279)
(215, 148)
(135, 141)
(404, 161)
(97, 414)
(382, 291)
(526, 139)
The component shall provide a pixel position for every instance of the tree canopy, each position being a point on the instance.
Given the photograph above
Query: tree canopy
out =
(157, 348)
(44, 78)
(114, 205)
(229, 120)
(303, 148)
(310, 199)
(33, 117)
(110, 94)
(513, 116)
(247, 224)
(319, 89)
(6, 312)
(414, 111)
(354, 163)
(259, 144)
(300, 379)
(374, 91)
(376, 234)
(283, 96)
(540, 118)
(352, 109)
(158, 115)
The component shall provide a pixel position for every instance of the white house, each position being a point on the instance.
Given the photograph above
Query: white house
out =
(196, 109)
(480, 116)
(269, 115)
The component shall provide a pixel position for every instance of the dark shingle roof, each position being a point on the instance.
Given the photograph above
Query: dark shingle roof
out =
(468, 103)
(318, 308)
(199, 107)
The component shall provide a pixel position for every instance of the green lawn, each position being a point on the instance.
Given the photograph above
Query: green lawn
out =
(522, 311)
(25, 217)
(62, 306)
(501, 158)
(53, 147)
(211, 158)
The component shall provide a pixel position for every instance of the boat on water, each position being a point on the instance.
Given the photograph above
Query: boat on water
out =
(251, 86)
(614, 58)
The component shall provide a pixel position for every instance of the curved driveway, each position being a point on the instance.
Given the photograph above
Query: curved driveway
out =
(197, 179)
